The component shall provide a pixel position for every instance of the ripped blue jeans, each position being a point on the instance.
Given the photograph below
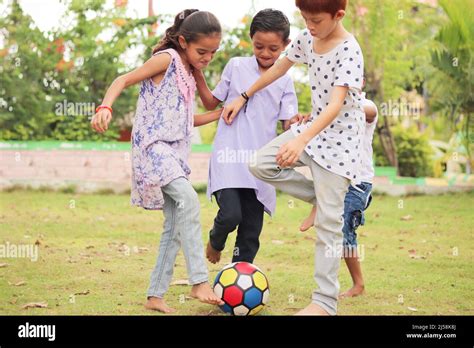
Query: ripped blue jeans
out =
(355, 203)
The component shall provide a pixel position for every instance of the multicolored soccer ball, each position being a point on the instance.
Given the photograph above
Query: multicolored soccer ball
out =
(243, 287)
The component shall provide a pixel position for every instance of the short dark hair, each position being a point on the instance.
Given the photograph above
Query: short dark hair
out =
(270, 20)
(191, 24)
(320, 6)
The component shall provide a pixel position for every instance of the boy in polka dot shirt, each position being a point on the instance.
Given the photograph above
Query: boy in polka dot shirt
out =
(357, 200)
(330, 144)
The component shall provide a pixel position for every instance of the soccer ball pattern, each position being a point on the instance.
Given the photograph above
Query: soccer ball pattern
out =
(243, 287)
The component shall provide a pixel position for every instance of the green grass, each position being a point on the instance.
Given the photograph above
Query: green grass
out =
(83, 243)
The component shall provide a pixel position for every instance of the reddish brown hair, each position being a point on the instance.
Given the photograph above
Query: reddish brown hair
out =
(320, 6)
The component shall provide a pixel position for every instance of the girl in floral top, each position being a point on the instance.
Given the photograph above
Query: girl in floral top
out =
(161, 143)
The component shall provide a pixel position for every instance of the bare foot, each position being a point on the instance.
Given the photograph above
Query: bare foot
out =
(212, 254)
(312, 309)
(204, 293)
(158, 304)
(356, 290)
(309, 221)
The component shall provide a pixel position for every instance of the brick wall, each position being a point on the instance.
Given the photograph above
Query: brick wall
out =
(94, 170)
(87, 170)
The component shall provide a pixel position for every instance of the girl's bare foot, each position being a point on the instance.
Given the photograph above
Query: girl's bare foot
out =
(212, 254)
(356, 290)
(309, 221)
(204, 293)
(312, 309)
(158, 304)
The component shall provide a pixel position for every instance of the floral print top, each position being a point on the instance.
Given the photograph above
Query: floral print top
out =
(161, 134)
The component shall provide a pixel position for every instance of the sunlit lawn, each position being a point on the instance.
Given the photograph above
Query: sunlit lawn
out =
(96, 253)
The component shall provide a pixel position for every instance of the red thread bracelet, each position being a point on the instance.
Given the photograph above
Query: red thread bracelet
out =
(103, 107)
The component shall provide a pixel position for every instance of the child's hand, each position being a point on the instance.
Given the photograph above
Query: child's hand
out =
(100, 121)
(299, 118)
(231, 110)
(290, 152)
(198, 74)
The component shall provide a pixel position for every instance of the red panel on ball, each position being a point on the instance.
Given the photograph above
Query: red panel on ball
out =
(245, 268)
(233, 295)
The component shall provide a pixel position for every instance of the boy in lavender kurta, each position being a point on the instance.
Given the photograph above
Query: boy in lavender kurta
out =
(241, 197)
(329, 145)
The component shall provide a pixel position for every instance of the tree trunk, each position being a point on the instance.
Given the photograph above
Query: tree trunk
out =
(385, 134)
(388, 143)
(468, 143)
(151, 13)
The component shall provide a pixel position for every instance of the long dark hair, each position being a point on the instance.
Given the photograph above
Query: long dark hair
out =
(191, 24)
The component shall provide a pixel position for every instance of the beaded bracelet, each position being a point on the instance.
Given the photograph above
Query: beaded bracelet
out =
(103, 107)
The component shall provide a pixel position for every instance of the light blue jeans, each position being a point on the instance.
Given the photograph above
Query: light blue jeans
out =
(327, 191)
(182, 228)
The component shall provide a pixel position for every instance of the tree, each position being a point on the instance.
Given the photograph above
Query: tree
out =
(453, 58)
(51, 82)
(395, 38)
(26, 107)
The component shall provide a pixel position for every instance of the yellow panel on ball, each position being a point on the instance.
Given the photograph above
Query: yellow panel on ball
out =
(256, 310)
(228, 277)
(260, 280)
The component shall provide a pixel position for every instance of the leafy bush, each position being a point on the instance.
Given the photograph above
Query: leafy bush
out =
(414, 152)
(70, 66)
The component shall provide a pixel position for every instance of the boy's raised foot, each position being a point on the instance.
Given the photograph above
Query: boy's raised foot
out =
(312, 309)
(158, 304)
(356, 290)
(212, 254)
(204, 293)
(309, 221)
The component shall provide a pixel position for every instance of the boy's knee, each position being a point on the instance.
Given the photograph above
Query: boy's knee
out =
(231, 218)
(329, 219)
(254, 170)
(255, 166)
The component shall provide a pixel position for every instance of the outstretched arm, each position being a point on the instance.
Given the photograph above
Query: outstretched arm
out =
(208, 117)
(156, 65)
(290, 152)
(370, 113)
(274, 73)
(208, 100)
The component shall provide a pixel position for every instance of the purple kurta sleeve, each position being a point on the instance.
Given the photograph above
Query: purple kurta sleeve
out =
(222, 89)
(289, 102)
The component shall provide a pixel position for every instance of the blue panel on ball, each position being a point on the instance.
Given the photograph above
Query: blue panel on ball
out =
(252, 298)
(226, 308)
(217, 278)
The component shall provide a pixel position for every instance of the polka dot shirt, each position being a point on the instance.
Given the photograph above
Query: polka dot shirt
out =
(338, 147)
